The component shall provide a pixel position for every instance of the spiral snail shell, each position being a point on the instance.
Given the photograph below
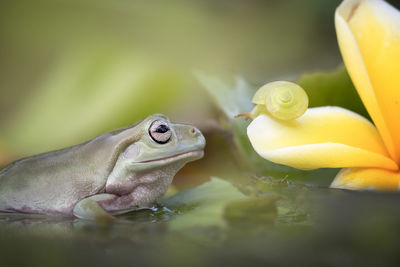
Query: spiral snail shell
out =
(282, 100)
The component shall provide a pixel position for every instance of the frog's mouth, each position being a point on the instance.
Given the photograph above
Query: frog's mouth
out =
(189, 155)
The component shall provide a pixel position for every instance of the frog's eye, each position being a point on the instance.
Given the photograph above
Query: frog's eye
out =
(160, 132)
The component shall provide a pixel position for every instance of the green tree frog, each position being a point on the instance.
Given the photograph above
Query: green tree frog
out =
(117, 172)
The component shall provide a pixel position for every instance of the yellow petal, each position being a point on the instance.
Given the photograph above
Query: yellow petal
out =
(369, 38)
(324, 137)
(367, 178)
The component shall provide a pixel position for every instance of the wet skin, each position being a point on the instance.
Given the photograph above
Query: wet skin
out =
(120, 171)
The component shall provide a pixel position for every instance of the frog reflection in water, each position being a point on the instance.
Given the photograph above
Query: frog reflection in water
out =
(120, 171)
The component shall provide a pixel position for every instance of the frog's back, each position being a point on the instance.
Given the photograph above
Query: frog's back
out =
(53, 182)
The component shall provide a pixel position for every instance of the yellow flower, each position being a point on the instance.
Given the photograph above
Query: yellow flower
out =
(368, 33)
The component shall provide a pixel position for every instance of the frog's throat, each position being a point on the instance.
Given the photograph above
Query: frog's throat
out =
(125, 179)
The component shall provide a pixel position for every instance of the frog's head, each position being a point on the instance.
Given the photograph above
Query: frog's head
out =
(158, 149)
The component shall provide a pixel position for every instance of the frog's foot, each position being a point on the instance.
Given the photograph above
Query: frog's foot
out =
(90, 209)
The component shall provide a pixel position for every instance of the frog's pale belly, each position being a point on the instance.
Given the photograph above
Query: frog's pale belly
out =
(140, 189)
(143, 196)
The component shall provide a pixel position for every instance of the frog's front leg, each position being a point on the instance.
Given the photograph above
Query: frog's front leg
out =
(90, 209)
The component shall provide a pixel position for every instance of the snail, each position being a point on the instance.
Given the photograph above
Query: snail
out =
(281, 100)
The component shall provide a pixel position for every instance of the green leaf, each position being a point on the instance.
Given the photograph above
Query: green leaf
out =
(232, 100)
(332, 89)
(203, 205)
